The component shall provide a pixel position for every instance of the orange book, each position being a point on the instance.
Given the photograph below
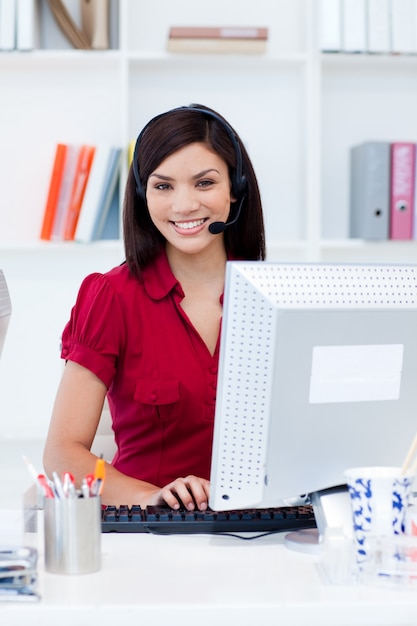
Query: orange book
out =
(53, 192)
(84, 162)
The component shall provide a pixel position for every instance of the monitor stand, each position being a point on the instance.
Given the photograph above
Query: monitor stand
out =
(332, 511)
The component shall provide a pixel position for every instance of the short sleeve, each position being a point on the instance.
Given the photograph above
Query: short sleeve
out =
(94, 334)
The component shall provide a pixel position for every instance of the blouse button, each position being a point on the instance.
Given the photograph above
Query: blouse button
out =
(65, 351)
(153, 397)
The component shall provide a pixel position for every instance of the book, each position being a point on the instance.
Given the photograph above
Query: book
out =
(131, 151)
(354, 25)
(378, 27)
(403, 157)
(330, 25)
(111, 227)
(65, 191)
(27, 25)
(7, 25)
(403, 26)
(95, 22)
(203, 39)
(53, 191)
(370, 190)
(101, 184)
(84, 162)
(108, 193)
(68, 25)
(114, 26)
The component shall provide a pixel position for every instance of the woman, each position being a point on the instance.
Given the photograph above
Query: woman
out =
(147, 332)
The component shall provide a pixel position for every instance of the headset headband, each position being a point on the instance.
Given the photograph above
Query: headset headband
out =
(238, 178)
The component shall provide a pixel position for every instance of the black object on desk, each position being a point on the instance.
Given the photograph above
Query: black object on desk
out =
(162, 520)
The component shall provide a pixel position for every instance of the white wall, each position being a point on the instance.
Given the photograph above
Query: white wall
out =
(43, 285)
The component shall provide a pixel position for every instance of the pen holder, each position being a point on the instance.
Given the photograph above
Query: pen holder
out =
(72, 535)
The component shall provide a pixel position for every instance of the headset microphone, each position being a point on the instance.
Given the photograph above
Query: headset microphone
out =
(216, 228)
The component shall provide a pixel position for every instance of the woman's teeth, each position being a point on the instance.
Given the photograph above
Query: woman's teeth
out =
(188, 225)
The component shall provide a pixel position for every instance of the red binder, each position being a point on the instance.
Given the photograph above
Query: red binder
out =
(403, 158)
(85, 159)
(53, 192)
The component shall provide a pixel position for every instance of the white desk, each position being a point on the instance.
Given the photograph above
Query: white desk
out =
(206, 580)
(199, 580)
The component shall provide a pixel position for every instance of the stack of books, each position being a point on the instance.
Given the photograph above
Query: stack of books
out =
(84, 24)
(19, 25)
(82, 202)
(368, 26)
(230, 39)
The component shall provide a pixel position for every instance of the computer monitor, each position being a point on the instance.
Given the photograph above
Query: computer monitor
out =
(5, 310)
(317, 373)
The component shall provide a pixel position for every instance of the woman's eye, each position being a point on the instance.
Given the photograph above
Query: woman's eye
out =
(204, 183)
(162, 186)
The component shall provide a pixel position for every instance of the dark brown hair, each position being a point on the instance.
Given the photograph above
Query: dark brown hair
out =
(161, 137)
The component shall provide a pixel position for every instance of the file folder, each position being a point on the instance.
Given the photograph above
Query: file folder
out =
(369, 190)
(403, 156)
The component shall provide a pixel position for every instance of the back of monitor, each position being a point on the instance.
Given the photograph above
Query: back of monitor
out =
(318, 370)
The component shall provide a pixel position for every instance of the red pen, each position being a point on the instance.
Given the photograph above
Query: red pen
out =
(89, 479)
(46, 488)
(68, 483)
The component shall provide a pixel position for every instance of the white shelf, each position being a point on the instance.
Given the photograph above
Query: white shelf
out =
(63, 247)
(297, 110)
(359, 251)
(249, 60)
(58, 56)
(373, 61)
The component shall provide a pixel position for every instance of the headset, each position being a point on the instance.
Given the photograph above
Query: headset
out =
(238, 179)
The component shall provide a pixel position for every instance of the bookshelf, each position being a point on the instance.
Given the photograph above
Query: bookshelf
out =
(297, 109)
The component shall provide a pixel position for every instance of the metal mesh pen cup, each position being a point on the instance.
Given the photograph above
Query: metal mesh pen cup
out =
(72, 535)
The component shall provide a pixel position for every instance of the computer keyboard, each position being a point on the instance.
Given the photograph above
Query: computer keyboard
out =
(162, 520)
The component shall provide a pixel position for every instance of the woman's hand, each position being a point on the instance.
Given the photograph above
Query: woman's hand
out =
(192, 492)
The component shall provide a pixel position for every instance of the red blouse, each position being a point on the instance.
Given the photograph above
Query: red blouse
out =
(160, 375)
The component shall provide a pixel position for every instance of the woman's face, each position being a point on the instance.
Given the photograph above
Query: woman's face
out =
(188, 191)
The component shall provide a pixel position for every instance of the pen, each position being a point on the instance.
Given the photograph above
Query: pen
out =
(68, 483)
(58, 485)
(31, 469)
(99, 475)
(40, 479)
(45, 486)
(85, 489)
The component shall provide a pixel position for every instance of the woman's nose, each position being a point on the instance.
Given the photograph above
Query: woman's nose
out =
(185, 201)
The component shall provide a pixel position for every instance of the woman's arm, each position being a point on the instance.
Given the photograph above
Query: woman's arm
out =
(75, 417)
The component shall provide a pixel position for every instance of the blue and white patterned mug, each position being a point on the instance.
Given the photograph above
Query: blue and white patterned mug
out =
(379, 498)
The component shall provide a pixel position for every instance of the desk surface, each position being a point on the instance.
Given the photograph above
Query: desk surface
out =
(205, 580)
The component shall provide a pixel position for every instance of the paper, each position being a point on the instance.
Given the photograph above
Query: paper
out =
(356, 373)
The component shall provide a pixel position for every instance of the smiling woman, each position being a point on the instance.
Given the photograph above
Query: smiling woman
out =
(146, 334)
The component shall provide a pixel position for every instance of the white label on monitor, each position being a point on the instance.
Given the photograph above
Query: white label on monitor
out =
(356, 373)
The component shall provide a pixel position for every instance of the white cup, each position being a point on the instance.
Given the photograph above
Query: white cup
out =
(379, 498)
